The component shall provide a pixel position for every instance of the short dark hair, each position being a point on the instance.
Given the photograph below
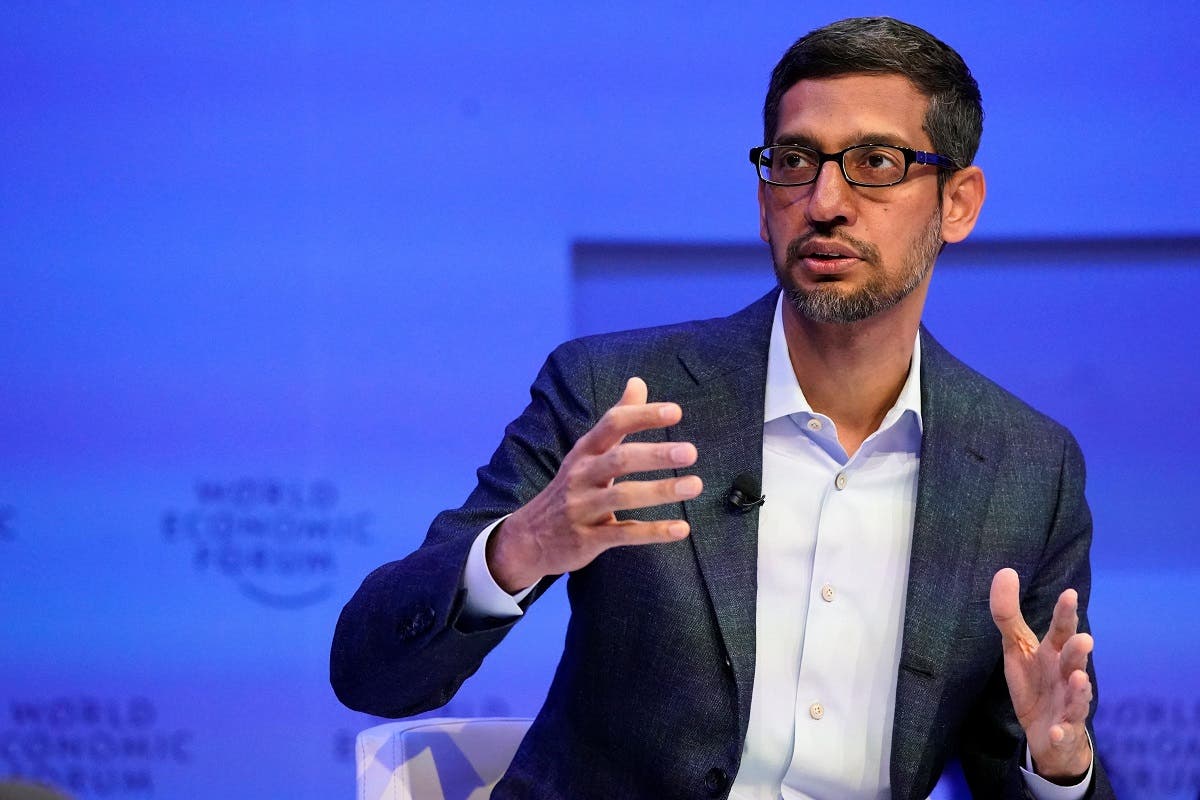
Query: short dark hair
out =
(954, 120)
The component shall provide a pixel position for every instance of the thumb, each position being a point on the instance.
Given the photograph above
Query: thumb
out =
(1005, 601)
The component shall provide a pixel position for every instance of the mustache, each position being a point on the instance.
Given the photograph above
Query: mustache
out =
(866, 251)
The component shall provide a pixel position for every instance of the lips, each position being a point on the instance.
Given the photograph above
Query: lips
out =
(827, 250)
(826, 257)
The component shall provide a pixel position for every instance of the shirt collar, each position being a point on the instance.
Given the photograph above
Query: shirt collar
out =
(784, 396)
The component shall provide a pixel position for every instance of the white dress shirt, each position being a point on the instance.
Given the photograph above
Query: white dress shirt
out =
(834, 539)
(833, 549)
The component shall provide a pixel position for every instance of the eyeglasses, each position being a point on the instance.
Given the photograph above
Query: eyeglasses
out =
(862, 164)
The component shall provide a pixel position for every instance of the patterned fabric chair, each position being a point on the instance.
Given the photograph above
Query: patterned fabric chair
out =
(436, 759)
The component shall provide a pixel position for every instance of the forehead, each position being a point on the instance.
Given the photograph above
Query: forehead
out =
(837, 112)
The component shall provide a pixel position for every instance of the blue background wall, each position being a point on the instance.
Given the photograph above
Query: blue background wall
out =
(254, 337)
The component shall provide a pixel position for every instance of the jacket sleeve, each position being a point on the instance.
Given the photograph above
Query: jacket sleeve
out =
(401, 645)
(991, 763)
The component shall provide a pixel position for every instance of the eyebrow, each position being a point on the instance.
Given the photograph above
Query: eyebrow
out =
(866, 137)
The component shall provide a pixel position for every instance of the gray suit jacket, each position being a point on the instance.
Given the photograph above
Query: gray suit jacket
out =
(651, 698)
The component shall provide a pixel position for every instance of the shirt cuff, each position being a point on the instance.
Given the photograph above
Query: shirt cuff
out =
(1042, 789)
(484, 596)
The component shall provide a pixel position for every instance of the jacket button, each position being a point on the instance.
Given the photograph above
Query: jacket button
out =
(421, 620)
(716, 781)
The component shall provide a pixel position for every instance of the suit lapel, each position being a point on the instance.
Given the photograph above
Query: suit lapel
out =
(723, 417)
(959, 452)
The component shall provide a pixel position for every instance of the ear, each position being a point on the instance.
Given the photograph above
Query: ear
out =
(762, 213)
(962, 198)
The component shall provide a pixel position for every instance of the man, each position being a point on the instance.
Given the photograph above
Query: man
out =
(864, 624)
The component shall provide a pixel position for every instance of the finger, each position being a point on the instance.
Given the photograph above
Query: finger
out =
(1078, 698)
(635, 393)
(1065, 621)
(1064, 736)
(626, 418)
(627, 495)
(1005, 603)
(1075, 654)
(639, 532)
(631, 457)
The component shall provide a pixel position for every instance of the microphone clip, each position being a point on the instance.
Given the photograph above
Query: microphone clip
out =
(745, 495)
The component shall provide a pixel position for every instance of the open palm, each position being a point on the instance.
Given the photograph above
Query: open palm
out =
(1047, 680)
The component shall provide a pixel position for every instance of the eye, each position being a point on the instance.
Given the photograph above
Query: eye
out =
(796, 159)
(875, 164)
(880, 159)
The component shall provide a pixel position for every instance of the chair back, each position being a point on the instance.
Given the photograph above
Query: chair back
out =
(440, 758)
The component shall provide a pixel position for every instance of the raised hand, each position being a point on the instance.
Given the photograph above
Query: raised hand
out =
(1047, 680)
(573, 520)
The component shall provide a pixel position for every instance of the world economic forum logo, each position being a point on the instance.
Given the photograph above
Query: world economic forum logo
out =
(93, 746)
(1151, 743)
(277, 540)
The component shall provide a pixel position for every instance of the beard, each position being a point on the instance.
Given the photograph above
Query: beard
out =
(832, 302)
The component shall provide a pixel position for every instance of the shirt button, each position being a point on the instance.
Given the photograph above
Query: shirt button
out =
(840, 481)
(827, 593)
(816, 711)
(814, 424)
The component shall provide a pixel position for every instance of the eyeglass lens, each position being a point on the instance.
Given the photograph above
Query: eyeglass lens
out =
(873, 165)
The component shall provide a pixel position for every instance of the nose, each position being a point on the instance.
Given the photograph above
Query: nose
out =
(831, 200)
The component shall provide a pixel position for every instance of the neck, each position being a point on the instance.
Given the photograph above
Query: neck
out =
(853, 372)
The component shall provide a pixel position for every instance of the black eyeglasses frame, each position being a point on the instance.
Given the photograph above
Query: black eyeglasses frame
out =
(910, 157)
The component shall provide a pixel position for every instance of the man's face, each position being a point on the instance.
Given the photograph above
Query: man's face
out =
(843, 253)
